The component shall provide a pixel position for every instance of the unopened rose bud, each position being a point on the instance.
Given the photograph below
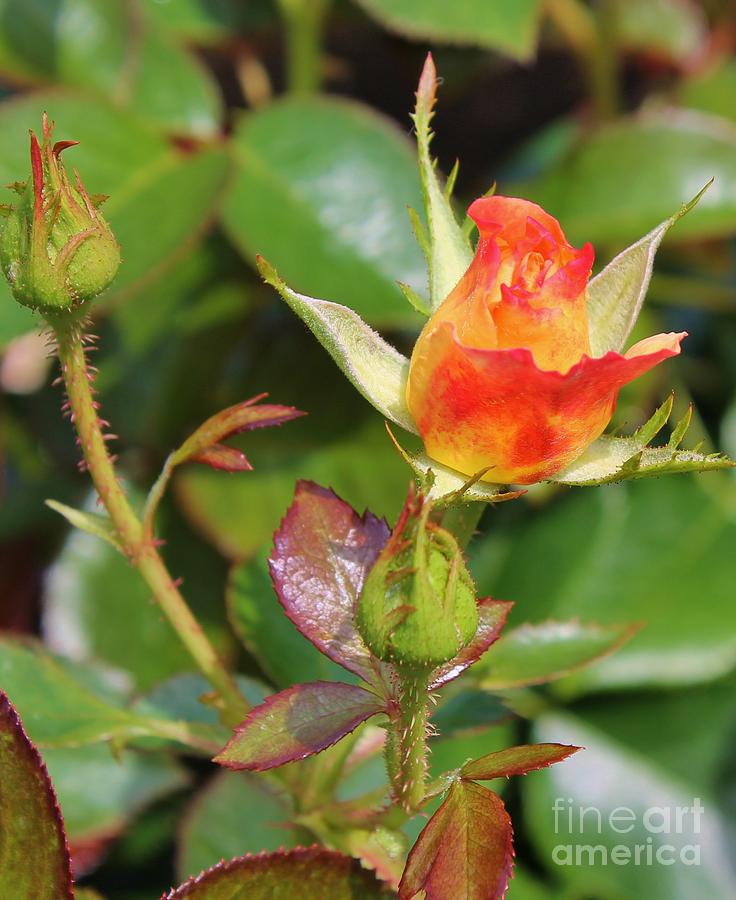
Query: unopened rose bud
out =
(56, 249)
(502, 378)
(418, 606)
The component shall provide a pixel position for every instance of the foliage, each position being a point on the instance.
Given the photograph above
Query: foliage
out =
(270, 142)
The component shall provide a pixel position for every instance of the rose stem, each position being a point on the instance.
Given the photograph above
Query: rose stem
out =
(137, 545)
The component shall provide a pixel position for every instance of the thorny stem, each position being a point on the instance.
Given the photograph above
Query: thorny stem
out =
(138, 545)
(406, 742)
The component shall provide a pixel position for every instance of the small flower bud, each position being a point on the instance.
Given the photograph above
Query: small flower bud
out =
(56, 249)
(418, 606)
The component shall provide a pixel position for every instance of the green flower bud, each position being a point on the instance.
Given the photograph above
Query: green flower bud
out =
(418, 605)
(56, 249)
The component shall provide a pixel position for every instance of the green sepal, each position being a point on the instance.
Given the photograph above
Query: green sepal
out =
(374, 367)
(616, 294)
(611, 459)
(447, 247)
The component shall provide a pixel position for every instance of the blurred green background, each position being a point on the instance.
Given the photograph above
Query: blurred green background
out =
(225, 128)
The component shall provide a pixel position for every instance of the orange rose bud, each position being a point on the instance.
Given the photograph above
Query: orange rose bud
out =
(501, 375)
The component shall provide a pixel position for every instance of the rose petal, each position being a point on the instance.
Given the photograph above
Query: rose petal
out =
(508, 218)
(477, 408)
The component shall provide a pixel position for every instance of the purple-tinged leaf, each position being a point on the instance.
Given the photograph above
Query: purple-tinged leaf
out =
(517, 761)
(492, 615)
(297, 722)
(322, 553)
(34, 857)
(465, 851)
(219, 456)
(310, 873)
(233, 420)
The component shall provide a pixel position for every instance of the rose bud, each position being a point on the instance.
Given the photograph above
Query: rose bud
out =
(418, 608)
(501, 377)
(56, 249)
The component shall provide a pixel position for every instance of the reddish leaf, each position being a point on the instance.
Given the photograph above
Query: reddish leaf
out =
(310, 873)
(322, 553)
(233, 420)
(517, 761)
(229, 459)
(34, 857)
(465, 851)
(297, 722)
(492, 616)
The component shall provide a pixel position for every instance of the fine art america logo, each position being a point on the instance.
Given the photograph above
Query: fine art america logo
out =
(656, 836)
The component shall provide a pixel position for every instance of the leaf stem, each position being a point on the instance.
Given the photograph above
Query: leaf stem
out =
(137, 545)
(155, 495)
(304, 21)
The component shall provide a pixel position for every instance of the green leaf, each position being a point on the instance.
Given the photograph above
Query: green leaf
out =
(663, 30)
(119, 55)
(258, 618)
(535, 654)
(637, 764)
(711, 89)
(69, 704)
(232, 815)
(516, 761)
(652, 164)
(61, 702)
(190, 187)
(308, 873)
(182, 699)
(611, 459)
(510, 26)
(34, 858)
(448, 252)
(524, 887)
(100, 793)
(465, 850)
(616, 295)
(91, 523)
(170, 87)
(296, 723)
(468, 709)
(656, 552)
(321, 190)
(371, 365)
(97, 607)
(207, 22)
(139, 170)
